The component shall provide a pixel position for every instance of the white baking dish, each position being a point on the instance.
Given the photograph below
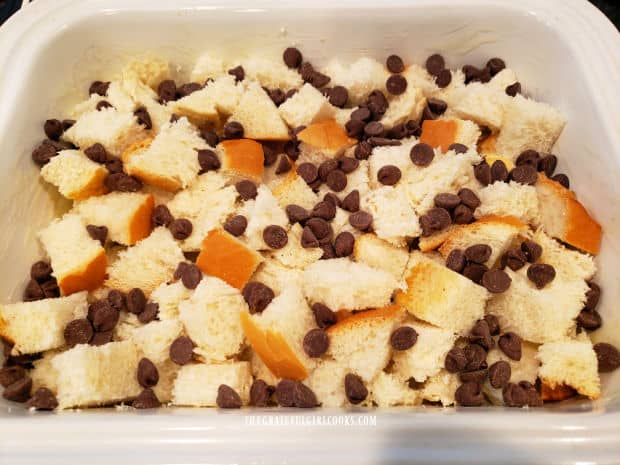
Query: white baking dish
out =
(565, 53)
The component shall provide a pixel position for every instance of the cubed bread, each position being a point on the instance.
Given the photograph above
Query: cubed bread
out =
(343, 115)
(406, 106)
(395, 155)
(325, 281)
(211, 319)
(307, 106)
(242, 159)
(441, 388)
(528, 124)
(327, 383)
(148, 69)
(293, 190)
(361, 342)
(127, 215)
(276, 335)
(75, 175)
(503, 79)
(570, 363)
(39, 325)
(96, 375)
(197, 385)
(380, 254)
(499, 233)
(569, 265)
(261, 371)
(509, 199)
(271, 73)
(418, 77)
(393, 219)
(440, 296)
(153, 164)
(427, 356)
(168, 296)
(293, 254)
(481, 103)
(147, 264)
(444, 132)
(258, 115)
(208, 65)
(207, 203)
(387, 390)
(360, 77)
(565, 218)
(79, 261)
(277, 276)
(261, 212)
(115, 130)
(324, 140)
(224, 256)
(144, 96)
(154, 339)
(43, 373)
(167, 371)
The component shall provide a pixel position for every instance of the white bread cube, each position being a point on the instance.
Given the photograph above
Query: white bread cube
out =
(343, 115)
(196, 384)
(39, 325)
(307, 106)
(293, 190)
(147, 264)
(79, 261)
(75, 175)
(277, 276)
(271, 73)
(148, 69)
(503, 79)
(154, 339)
(380, 254)
(207, 203)
(43, 373)
(440, 296)
(499, 233)
(361, 342)
(258, 115)
(509, 199)
(96, 375)
(293, 254)
(360, 77)
(481, 103)
(366, 287)
(127, 323)
(393, 218)
(116, 96)
(167, 371)
(323, 140)
(570, 265)
(563, 217)
(418, 77)
(327, 383)
(441, 388)
(427, 356)
(528, 125)
(115, 130)
(127, 215)
(570, 363)
(387, 390)
(168, 297)
(261, 212)
(340, 223)
(261, 371)
(396, 155)
(143, 95)
(211, 319)
(153, 164)
(207, 65)
(449, 130)
(406, 106)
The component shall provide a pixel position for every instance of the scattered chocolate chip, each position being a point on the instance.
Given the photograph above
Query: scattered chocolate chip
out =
(284, 166)
(476, 376)
(373, 129)
(469, 395)
(541, 274)
(389, 175)
(43, 399)
(336, 180)
(103, 104)
(161, 216)
(510, 343)
(188, 89)
(456, 360)
(303, 396)
(19, 391)
(338, 96)
(53, 129)
(343, 244)
(146, 400)
(114, 165)
(149, 313)
(447, 201)
(514, 259)
(209, 136)
(97, 233)
(481, 334)
(514, 395)
(148, 376)
(174, 118)
(475, 271)
(531, 250)
(444, 78)
(122, 182)
(361, 114)
(608, 357)
(592, 296)
(236, 225)
(562, 179)
(296, 214)
(208, 160)
(101, 338)
(260, 392)
(116, 299)
(348, 164)
(493, 323)
(362, 151)
(275, 236)
(238, 72)
(180, 270)
(41, 271)
(351, 202)
(97, 153)
(496, 281)
(396, 84)
(324, 209)
(458, 148)
(395, 64)
(403, 338)
(495, 65)
(319, 80)
(482, 172)
(11, 374)
(289, 394)
(191, 276)
(360, 220)
(99, 88)
(471, 73)
(42, 154)
(438, 107)
(377, 104)
(354, 388)
(233, 130)
(478, 253)
(269, 155)
(181, 228)
(456, 260)
(323, 315)
(328, 251)
(321, 229)
(181, 350)
(143, 117)
(105, 317)
(257, 295)
(354, 127)
(528, 157)
(524, 174)
(135, 300)
(332, 198)
(316, 342)
(50, 288)
(308, 172)
(463, 215)
(547, 164)
(499, 172)
(246, 189)
(292, 57)
(513, 89)
(78, 331)
(476, 357)
(435, 64)
(327, 167)
(499, 374)
(422, 154)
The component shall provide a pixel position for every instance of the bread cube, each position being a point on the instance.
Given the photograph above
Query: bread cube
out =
(293, 190)
(569, 265)
(482, 104)
(168, 297)
(207, 65)
(277, 276)
(242, 159)
(144, 96)
(261, 212)
(360, 77)
(168, 371)
(417, 76)
(407, 106)
(293, 254)
(444, 132)
(380, 254)
(396, 155)
(75, 175)
(271, 73)
(154, 339)
(260, 370)
(387, 390)
(441, 388)
(323, 140)
(327, 383)
(148, 69)
(307, 106)
(509, 199)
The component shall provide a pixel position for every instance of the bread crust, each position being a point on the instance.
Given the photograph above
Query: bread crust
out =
(243, 157)
(141, 226)
(326, 135)
(90, 277)
(439, 133)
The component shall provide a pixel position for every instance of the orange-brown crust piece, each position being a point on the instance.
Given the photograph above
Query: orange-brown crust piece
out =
(243, 157)
(94, 187)
(226, 258)
(139, 145)
(556, 393)
(439, 133)
(387, 312)
(273, 350)
(88, 279)
(487, 145)
(326, 135)
(141, 226)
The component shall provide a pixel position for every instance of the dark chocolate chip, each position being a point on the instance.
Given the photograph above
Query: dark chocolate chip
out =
(149, 313)
(324, 209)
(97, 233)
(373, 129)
(377, 104)
(236, 225)
(327, 167)
(146, 399)
(482, 172)
(495, 65)
(499, 172)
(332, 198)
(308, 172)
(541, 274)
(187, 89)
(122, 182)
(275, 236)
(238, 72)
(444, 78)
(463, 215)
(447, 201)
(469, 395)
(323, 315)
(403, 338)
(592, 296)
(208, 160)
(233, 130)
(348, 164)
(296, 214)
(247, 189)
(476, 357)
(292, 57)
(114, 165)
(209, 136)
(303, 396)
(456, 360)
(513, 89)
(422, 154)
(514, 259)
(439, 218)
(496, 281)
(343, 244)
(608, 357)
(181, 350)
(389, 175)
(354, 389)
(53, 129)
(143, 117)
(478, 253)
(308, 239)
(338, 96)
(19, 391)
(562, 179)
(43, 399)
(437, 106)
(360, 220)
(514, 395)
(456, 260)
(260, 393)
(395, 64)
(547, 164)
(285, 392)
(161, 216)
(97, 153)
(101, 338)
(135, 300)
(43, 153)
(284, 166)
(257, 295)
(396, 84)
(361, 114)
(481, 334)
(11, 374)
(103, 104)
(316, 342)
(435, 64)
(458, 148)
(148, 376)
(524, 174)
(99, 88)
(181, 228)
(471, 73)
(321, 229)
(528, 157)
(531, 250)
(493, 323)
(328, 251)
(269, 155)
(510, 343)
(499, 374)
(354, 127)
(336, 180)
(476, 376)
(105, 317)
(362, 151)
(351, 202)
(475, 271)
(116, 299)
(41, 271)
(78, 331)
(191, 276)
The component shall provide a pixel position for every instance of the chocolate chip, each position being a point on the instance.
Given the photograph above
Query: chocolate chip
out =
(53, 129)
(42, 154)
(447, 201)
(541, 274)
(456, 260)
(481, 334)
(236, 225)
(396, 84)
(360, 220)
(514, 395)
(257, 295)
(325, 168)
(348, 164)
(476, 357)
(95, 306)
(395, 64)
(531, 250)
(238, 72)
(377, 104)
(11, 374)
(116, 299)
(50, 288)
(469, 395)
(321, 229)
(435, 64)
(99, 88)
(336, 180)
(149, 313)
(105, 317)
(499, 374)
(97, 153)
(589, 320)
(97, 233)
(354, 127)
(308, 172)
(361, 114)
(181, 350)
(187, 89)
(482, 172)
(495, 65)
(143, 117)
(439, 218)
(316, 342)
(514, 259)
(325, 210)
(136, 300)
(284, 166)
(524, 174)
(463, 215)
(103, 104)
(496, 281)
(398, 131)
(43, 399)
(19, 391)
(296, 214)
(513, 89)
(233, 130)
(403, 338)
(373, 129)
(307, 72)
(476, 376)
(528, 157)
(191, 276)
(444, 78)
(608, 357)
(146, 400)
(246, 189)
(122, 182)
(292, 57)
(148, 376)
(338, 96)
(285, 392)
(592, 296)
(478, 253)
(422, 154)
(78, 331)
(275, 236)
(209, 136)
(510, 343)
(547, 164)
(471, 73)
(332, 198)
(328, 251)
(208, 160)
(323, 315)
(562, 179)
(458, 148)
(181, 228)
(161, 216)
(260, 392)
(354, 388)
(174, 118)
(456, 360)
(499, 172)
(343, 244)
(362, 151)
(438, 107)
(351, 202)
(101, 338)
(389, 175)
(493, 323)
(114, 165)
(41, 271)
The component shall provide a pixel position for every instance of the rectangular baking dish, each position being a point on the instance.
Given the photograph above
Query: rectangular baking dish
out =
(565, 53)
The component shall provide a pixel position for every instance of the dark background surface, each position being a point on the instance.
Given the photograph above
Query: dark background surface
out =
(610, 7)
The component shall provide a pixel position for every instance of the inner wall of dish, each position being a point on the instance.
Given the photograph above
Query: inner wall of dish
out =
(96, 47)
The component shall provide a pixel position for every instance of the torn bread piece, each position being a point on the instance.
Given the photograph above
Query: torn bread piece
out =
(388, 390)
(148, 69)
(293, 254)
(481, 103)
(323, 140)
(154, 339)
(242, 159)
(208, 65)
(327, 383)
(262, 212)
(293, 190)
(404, 107)
(271, 73)
(509, 199)
(75, 175)
(306, 106)
(277, 276)
(569, 265)
(168, 296)
(395, 155)
(444, 132)
(382, 255)
(441, 388)
(360, 77)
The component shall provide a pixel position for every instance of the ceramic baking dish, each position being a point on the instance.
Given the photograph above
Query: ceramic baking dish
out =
(564, 51)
